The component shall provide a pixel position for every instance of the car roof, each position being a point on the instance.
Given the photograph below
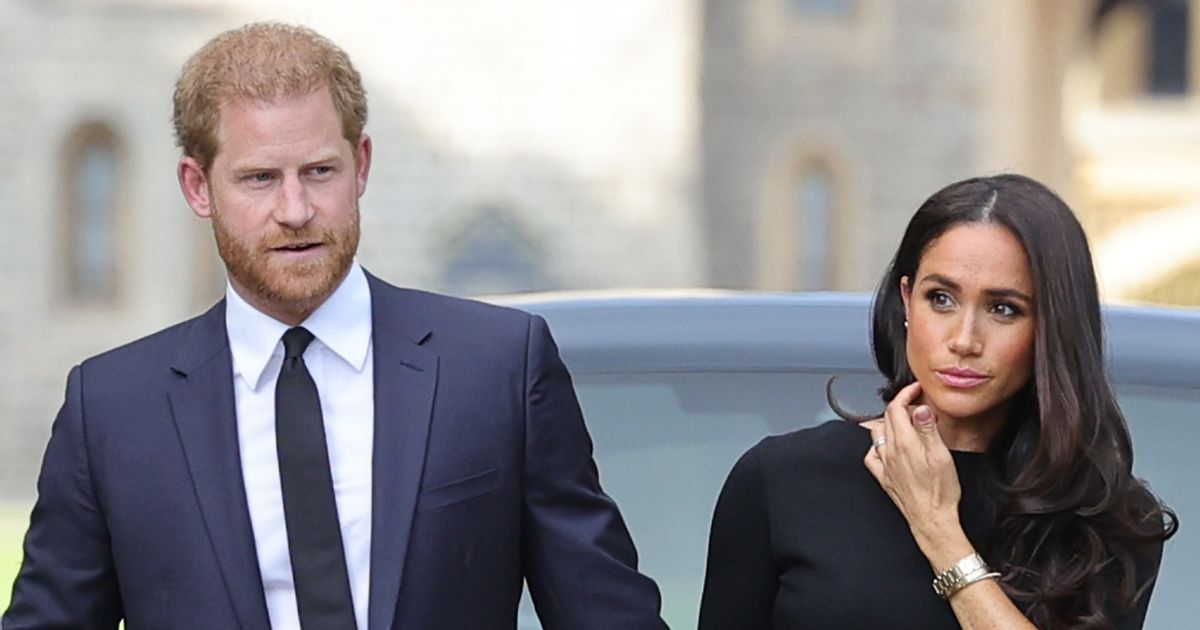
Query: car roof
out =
(817, 331)
(708, 331)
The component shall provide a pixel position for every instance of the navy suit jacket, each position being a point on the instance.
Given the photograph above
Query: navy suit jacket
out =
(482, 476)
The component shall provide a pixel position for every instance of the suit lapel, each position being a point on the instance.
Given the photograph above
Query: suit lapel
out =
(206, 419)
(405, 380)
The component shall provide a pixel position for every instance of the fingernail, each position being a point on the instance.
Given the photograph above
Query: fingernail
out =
(923, 416)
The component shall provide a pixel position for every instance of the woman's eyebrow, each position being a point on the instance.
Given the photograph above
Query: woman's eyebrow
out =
(1005, 292)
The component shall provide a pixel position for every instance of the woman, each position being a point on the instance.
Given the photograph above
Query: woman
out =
(1001, 437)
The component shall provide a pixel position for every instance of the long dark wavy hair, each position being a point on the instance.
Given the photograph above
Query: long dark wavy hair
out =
(1074, 524)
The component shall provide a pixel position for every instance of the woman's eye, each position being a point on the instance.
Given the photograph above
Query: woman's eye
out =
(1006, 310)
(940, 300)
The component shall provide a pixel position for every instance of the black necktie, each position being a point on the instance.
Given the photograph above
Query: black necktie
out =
(309, 508)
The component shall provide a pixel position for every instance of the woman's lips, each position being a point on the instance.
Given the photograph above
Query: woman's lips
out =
(961, 379)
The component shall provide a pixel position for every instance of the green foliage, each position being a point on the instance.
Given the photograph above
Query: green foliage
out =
(14, 518)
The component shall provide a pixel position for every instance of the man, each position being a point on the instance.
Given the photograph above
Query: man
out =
(319, 450)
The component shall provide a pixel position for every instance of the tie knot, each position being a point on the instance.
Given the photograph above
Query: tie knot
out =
(295, 340)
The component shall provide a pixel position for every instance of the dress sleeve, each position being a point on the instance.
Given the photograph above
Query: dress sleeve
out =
(740, 582)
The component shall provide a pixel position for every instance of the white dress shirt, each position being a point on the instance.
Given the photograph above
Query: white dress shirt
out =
(339, 360)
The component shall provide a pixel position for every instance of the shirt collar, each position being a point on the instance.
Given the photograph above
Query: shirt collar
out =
(342, 323)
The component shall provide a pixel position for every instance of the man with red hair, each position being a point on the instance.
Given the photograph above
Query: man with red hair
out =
(320, 450)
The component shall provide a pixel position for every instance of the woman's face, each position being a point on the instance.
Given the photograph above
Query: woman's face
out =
(970, 314)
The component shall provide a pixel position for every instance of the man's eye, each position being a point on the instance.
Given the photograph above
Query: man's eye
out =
(259, 177)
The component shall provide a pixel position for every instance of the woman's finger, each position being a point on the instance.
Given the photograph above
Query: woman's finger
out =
(907, 395)
(897, 417)
(875, 430)
(924, 424)
(878, 436)
(874, 464)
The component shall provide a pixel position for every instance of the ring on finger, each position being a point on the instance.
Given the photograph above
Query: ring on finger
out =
(879, 442)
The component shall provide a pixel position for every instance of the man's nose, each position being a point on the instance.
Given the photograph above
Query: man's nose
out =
(293, 209)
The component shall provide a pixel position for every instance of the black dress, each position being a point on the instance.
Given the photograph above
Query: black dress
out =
(804, 537)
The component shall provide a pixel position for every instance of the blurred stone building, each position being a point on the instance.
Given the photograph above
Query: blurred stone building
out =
(1133, 109)
(519, 145)
(535, 144)
(825, 123)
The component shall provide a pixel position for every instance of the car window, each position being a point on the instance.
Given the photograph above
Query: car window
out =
(665, 441)
(1165, 423)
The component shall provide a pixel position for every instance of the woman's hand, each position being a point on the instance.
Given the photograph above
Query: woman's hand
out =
(913, 465)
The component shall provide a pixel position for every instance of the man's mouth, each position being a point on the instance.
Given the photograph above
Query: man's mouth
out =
(297, 247)
(300, 251)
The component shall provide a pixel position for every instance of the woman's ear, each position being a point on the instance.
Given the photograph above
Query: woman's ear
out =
(906, 296)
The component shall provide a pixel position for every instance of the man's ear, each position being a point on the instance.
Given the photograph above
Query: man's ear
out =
(193, 181)
(362, 162)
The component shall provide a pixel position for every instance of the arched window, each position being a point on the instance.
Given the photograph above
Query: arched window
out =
(800, 234)
(1143, 47)
(812, 222)
(492, 255)
(1169, 48)
(823, 8)
(92, 176)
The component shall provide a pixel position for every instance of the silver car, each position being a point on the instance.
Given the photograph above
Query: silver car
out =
(676, 387)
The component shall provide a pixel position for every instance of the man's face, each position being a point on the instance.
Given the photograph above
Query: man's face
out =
(282, 193)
